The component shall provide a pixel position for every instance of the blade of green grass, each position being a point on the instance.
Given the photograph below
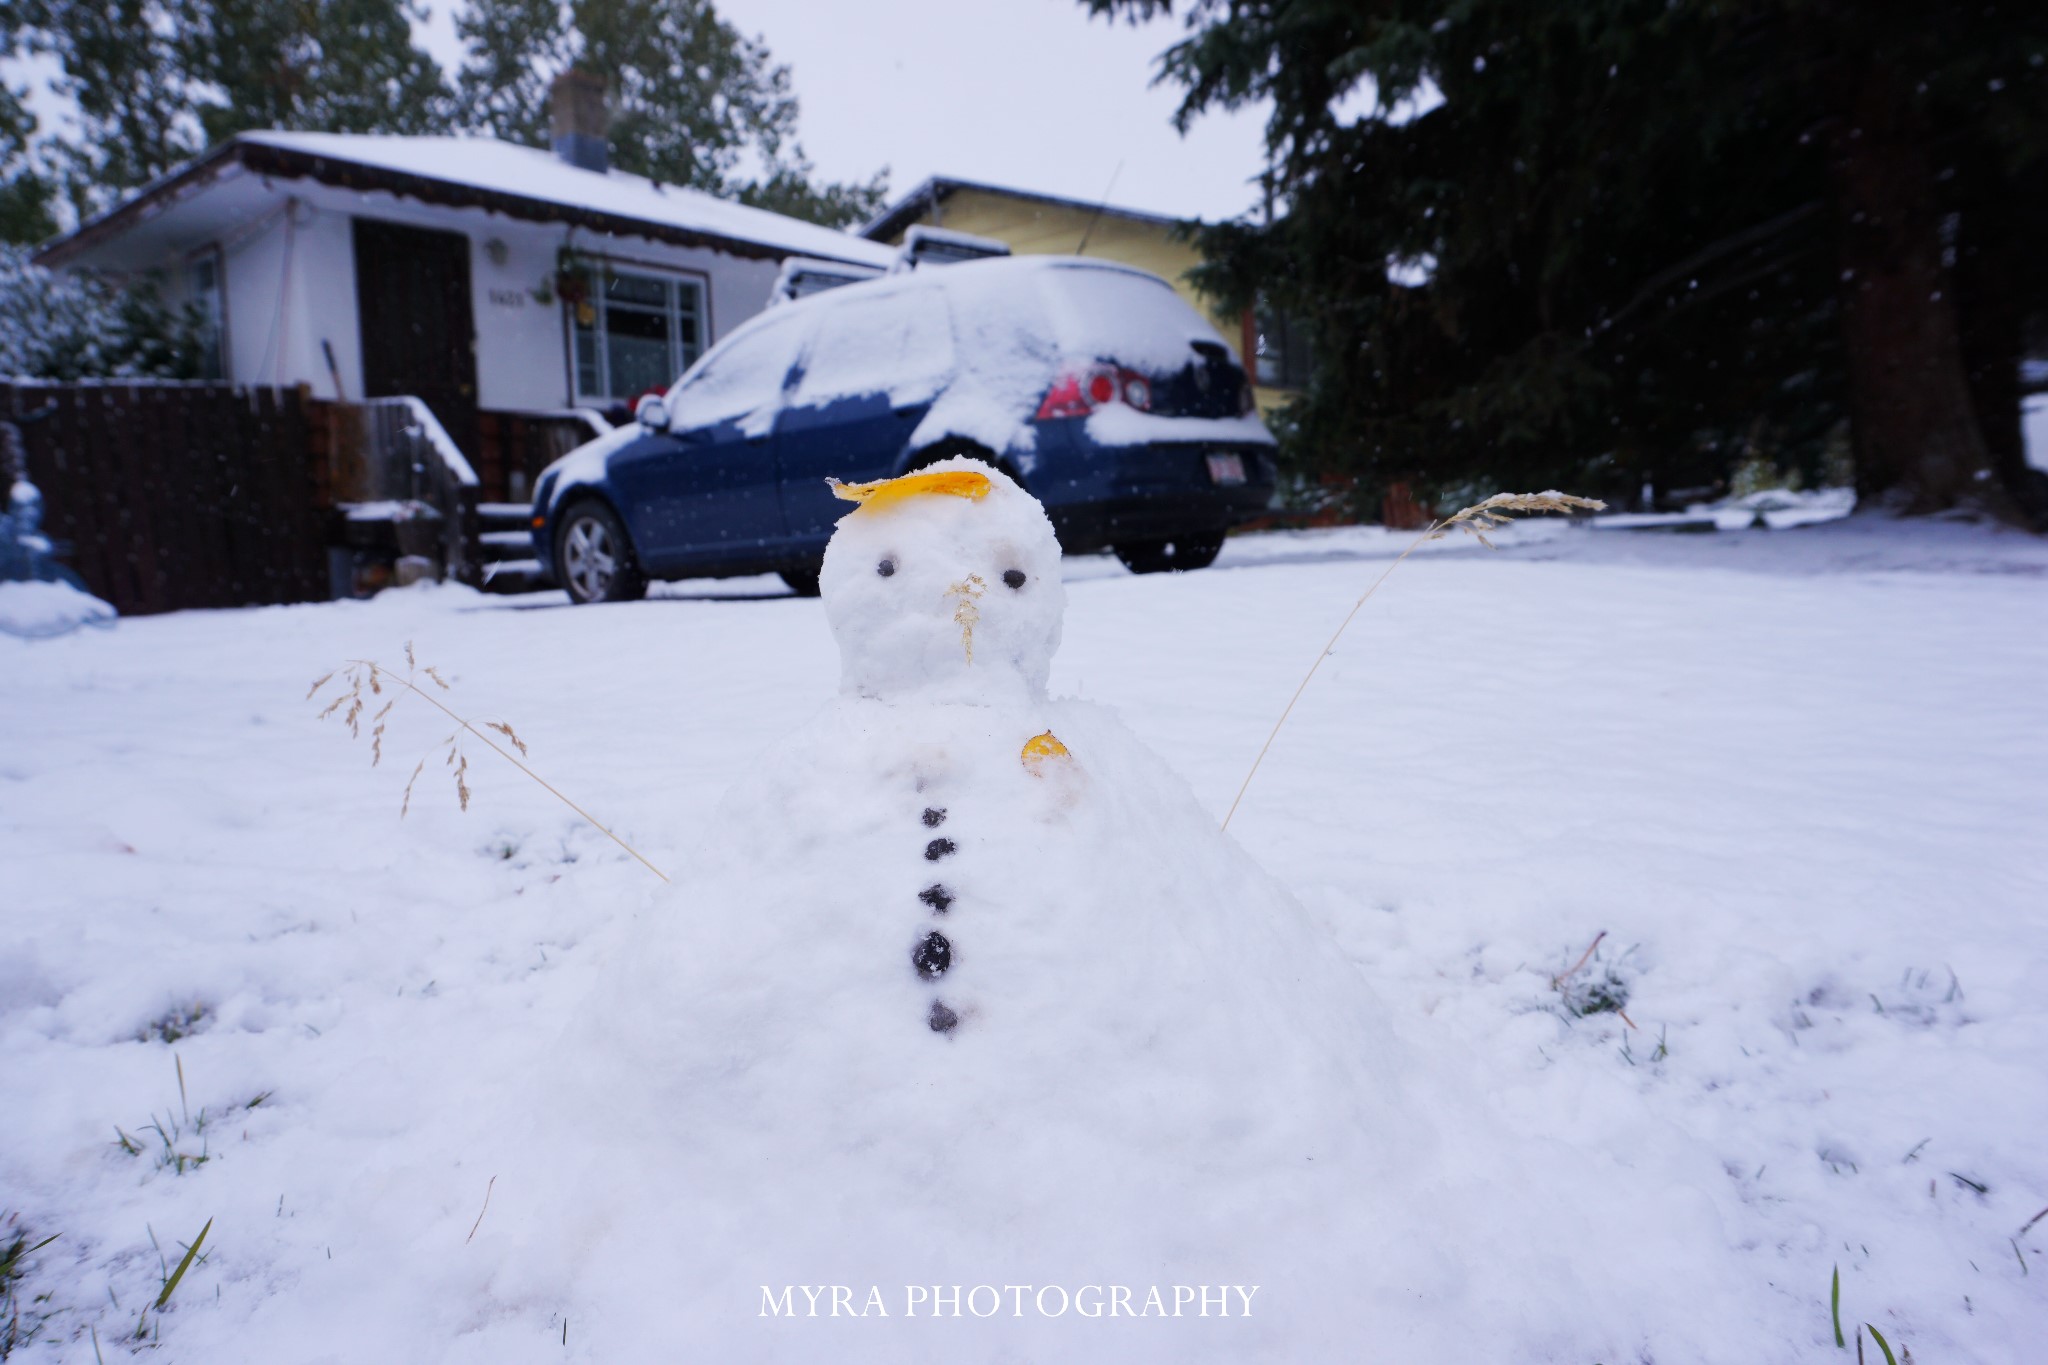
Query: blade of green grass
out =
(1883, 1345)
(1835, 1306)
(193, 1250)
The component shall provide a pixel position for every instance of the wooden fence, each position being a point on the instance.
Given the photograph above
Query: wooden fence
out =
(513, 447)
(178, 495)
(392, 450)
(173, 495)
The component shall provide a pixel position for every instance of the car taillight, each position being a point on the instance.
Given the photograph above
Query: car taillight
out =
(1080, 393)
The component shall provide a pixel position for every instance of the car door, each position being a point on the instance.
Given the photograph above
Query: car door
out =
(702, 494)
(877, 357)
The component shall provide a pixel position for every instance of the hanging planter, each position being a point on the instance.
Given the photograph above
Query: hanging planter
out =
(572, 282)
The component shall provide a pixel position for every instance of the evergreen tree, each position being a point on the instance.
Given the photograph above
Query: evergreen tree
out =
(335, 66)
(157, 81)
(25, 191)
(694, 102)
(134, 100)
(1640, 239)
(789, 189)
(515, 49)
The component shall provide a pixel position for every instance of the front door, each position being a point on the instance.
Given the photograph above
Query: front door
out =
(418, 328)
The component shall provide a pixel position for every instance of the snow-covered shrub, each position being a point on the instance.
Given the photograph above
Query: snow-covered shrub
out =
(73, 326)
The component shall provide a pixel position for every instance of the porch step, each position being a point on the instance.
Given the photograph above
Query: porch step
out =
(504, 532)
(513, 576)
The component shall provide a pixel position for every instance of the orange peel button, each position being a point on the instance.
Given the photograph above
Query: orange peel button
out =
(958, 483)
(1039, 748)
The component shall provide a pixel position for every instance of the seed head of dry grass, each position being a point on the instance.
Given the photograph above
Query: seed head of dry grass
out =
(1495, 512)
(357, 674)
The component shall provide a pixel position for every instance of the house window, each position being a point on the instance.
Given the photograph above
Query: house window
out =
(203, 279)
(1280, 350)
(634, 332)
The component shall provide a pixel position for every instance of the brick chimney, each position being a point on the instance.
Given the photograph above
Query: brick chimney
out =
(579, 120)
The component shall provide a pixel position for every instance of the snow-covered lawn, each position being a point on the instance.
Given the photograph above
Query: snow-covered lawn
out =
(1798, 778)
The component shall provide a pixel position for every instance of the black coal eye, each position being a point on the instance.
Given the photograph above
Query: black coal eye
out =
(886, 567)
(1014, 577)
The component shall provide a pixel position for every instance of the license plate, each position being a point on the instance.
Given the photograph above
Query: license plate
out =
(1226, 469)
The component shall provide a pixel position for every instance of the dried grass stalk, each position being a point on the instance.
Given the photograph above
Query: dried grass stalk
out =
(967, 615)
(1474, 521)
(357, 672)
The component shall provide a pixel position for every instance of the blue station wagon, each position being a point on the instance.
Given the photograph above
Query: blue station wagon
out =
(1094, 385)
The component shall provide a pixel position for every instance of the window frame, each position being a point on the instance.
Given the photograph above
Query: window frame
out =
(674, 280)
(212, 255)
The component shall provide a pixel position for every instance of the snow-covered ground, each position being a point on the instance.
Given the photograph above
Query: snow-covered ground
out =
(1799, 779)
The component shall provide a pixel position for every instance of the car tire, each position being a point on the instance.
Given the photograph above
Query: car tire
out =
(594, 557)
(804, 581)
(1178, 554)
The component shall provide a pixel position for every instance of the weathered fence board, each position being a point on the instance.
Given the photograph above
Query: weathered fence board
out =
(513, 448)
(178, 495)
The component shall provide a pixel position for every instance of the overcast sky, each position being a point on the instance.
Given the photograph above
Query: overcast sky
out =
(1031, 94)
(1026, 93)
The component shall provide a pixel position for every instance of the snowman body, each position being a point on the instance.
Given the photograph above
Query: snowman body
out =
(965, 987)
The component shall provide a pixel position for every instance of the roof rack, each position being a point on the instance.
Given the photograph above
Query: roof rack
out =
(941, 246)
(803, 276)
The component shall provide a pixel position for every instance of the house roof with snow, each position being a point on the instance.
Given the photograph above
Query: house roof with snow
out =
(891, 222)
(466, 172)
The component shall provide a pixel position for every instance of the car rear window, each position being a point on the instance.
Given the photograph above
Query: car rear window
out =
(1113, 315)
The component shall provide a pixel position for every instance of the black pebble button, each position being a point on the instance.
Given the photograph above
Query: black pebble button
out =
(934, 817)
(937, 849)
(941, 1019)
(937, 897)
(932, 956)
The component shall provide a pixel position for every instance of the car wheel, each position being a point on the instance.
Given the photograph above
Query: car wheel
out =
(804, 581)
(1195, 550)
(595, 558)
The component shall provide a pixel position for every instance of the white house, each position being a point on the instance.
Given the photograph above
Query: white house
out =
(485, 278)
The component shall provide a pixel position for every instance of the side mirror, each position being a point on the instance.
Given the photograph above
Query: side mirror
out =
(652, 413)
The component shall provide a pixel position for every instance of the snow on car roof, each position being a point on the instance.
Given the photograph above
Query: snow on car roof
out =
(532, 173)
(987, 281)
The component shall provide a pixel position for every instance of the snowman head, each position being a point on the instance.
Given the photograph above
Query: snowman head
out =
(944, 585)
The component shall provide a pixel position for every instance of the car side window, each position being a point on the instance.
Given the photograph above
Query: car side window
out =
(738, 380)
(900, 344)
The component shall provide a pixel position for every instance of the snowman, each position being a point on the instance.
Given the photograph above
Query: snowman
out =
(964, 987)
